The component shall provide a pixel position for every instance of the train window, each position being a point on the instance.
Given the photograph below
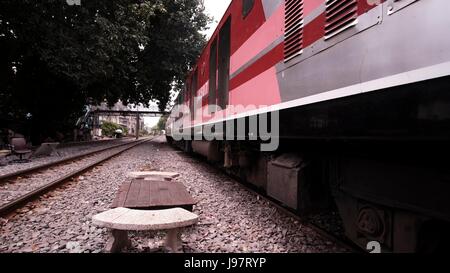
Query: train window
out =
(224, 64)
(187, 95)
(247, 6)
(181, 96)
(193, 92)
(212, 76)
(186, 92)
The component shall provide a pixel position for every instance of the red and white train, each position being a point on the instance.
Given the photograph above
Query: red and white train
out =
(362, 92)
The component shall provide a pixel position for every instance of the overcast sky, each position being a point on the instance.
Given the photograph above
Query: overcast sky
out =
(216, 9)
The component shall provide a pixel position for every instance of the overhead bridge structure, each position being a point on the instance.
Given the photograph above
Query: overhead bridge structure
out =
(95, 114)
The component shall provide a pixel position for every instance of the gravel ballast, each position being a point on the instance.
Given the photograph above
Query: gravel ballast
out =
(232, 219)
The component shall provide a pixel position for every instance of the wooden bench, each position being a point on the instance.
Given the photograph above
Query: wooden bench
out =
(122, 220)
(153, 195)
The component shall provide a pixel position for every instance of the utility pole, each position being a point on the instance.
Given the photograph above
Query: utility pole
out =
(137, 126)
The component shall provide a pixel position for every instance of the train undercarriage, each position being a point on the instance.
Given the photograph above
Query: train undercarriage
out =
(381, 159)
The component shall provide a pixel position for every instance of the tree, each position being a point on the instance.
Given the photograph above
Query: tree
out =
(109, 128)
(56, 58)
(161, 123)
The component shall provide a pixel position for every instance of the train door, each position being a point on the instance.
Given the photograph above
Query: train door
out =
(194, 86)
(224, 63)
(212, 97)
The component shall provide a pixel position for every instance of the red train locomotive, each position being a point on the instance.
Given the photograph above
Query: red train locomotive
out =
(361, 92)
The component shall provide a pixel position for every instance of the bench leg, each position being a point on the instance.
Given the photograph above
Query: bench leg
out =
(118, 239)
(173, 240)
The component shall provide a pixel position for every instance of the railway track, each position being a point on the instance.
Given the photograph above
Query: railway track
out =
(19, 188)
(323, 232)
(12, 175)
(302, 220)
(91, 142)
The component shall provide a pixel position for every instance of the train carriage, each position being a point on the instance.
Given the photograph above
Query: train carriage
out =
(361, 92)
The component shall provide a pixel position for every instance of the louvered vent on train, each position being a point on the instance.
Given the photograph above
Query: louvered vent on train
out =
(341, 15)
(293, 34)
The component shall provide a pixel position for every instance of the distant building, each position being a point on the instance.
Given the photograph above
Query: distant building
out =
(128, 122)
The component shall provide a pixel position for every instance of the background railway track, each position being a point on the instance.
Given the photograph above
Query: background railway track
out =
(91, 142)
(29, 170)
(17, 189)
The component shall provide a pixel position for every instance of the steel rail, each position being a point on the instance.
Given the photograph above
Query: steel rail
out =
(24, 199)
(12, 175)
(90, 142)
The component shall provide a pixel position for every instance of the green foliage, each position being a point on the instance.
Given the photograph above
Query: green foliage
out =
(56, 58)
(161, 123)
(143, 132)
(109, 128)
